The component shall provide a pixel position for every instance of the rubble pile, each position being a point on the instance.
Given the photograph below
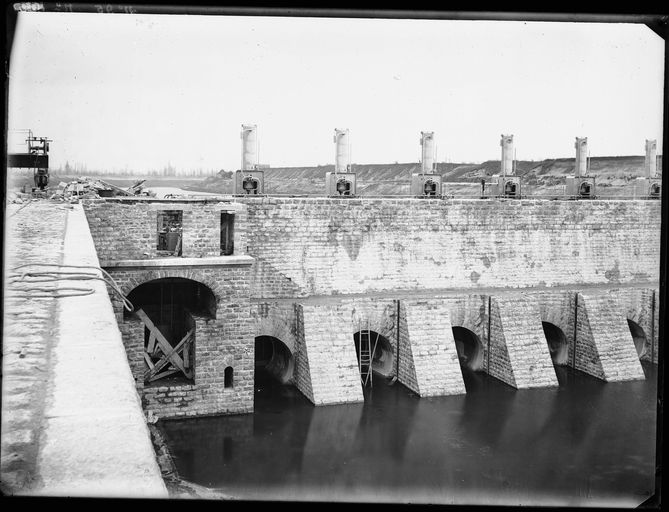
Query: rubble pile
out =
(88, 188)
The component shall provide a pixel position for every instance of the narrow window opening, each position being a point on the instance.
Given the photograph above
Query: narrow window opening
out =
(227, 377)
(169, 231)
(227, 233)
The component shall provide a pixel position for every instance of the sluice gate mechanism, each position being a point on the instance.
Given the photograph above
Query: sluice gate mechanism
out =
(341, 182)
(650, 185)
(580, 186)
(249, 181)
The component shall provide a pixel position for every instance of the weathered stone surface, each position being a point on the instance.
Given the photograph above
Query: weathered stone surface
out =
(95, 441)
(337, 246)
(221, 342)
(306, 248)
(604, 345)
(128, 230)
(516, 323)
(27, 334)
(327, 353)
(435, 359)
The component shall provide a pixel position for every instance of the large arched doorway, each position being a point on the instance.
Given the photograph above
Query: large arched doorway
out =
(273, 357)
(639, 337)
(374, 353)
(469, 348)
(557, 344)
(167, 308)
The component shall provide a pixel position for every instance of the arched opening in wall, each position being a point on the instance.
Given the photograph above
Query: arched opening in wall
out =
(168, 309)
(639, 337)
(228, 377)
(469, 348)
(557, 344)
(273, 359)
(374, 353)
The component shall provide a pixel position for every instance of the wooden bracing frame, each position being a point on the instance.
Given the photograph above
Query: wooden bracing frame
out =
(174, 359)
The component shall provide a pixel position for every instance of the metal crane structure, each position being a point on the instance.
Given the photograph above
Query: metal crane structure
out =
(37, 159)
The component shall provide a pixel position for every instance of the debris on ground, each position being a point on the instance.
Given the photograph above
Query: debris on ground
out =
(88, 188)
(18, 197)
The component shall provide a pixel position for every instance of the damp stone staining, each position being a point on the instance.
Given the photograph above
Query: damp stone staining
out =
(239, 288)
(278, 309)
(325, 259)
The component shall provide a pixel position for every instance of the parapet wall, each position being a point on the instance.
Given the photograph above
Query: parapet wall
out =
(321, 246)
(306, 246)
(127, 229)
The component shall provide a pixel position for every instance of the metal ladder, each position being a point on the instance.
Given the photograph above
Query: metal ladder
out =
(366, 356)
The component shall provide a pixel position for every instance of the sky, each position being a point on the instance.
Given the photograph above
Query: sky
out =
(130, 91)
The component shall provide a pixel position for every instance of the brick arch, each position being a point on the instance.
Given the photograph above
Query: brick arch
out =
(151, 275)
(470, 315)
(279, 328)
(640, 327)
(636, 315)
(559, 311)
(379, 320)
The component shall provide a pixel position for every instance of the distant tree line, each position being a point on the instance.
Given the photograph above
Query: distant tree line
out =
(81, 169)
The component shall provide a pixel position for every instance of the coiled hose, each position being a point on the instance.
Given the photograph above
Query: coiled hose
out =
(52, 276)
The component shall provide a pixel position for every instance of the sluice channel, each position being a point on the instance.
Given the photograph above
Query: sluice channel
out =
(586, 442)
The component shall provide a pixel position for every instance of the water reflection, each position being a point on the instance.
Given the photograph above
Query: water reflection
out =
(586, 442)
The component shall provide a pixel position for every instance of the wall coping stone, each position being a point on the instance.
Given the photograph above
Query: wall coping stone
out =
(210, 261)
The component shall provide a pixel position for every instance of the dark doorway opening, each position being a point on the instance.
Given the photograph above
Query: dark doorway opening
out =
(557, 344)
(227, 233)
(470, 349)
(374, 353)
(639, 337)
(169, 233)
(274, 358)
(167, 308)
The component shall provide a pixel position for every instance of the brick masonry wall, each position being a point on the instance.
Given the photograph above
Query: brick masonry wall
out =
(226, 340)
(604, 344)
(278, 320)
(519, 355)
(328, 246)
(499, 363)
(471, 312)
(128, 230)
(302, 371)
(304, 247)
(131, 332)
(330, 354)
(520, 327)
(642, 307)
(557, 308)
(379, 316)
(435, 357)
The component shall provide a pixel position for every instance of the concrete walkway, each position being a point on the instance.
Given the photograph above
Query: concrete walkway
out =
(28, 325)
(93, 440)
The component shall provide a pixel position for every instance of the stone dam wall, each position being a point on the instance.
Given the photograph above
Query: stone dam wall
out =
(338, 246)
(312, 272)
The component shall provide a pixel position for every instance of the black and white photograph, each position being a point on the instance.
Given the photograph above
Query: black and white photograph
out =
(333, 256)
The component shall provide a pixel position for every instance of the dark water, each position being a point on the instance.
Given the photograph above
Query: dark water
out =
(585, 443)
